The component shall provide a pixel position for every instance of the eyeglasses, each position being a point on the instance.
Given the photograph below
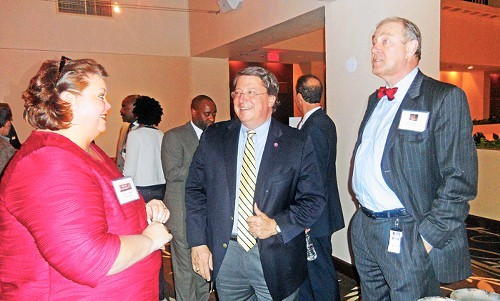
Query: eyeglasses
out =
(62, 63)
(248, 94)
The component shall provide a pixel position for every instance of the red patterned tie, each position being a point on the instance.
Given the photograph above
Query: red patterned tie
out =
(390, 92)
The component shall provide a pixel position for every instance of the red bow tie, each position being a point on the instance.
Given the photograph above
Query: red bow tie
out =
(390, 92)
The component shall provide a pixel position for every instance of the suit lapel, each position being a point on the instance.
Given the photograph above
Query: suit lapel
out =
(231, 157)
(267, 162)
(372, 103)
(407, 103)
(189, 128)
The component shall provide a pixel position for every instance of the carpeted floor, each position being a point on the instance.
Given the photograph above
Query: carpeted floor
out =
(484, 243)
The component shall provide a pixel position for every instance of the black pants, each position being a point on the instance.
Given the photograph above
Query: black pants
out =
(149, 193)
(152, 192)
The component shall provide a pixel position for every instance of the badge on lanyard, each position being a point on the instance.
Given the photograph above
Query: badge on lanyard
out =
(125, 190)
(396, 234)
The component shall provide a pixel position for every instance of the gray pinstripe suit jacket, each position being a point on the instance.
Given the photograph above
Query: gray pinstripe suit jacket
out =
(434, 172)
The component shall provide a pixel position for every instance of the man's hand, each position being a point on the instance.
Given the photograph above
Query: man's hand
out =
(260, 225)
(427, 246)
(202, 261)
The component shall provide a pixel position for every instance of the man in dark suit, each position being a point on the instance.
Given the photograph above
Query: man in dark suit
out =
(287, 197)
(178, 147)
(415, 170)
(322, 282)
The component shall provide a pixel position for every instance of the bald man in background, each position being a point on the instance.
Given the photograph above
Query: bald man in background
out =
(128, 125)
(322, 282)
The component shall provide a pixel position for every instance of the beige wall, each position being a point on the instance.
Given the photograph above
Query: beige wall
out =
(486, 203)
(144, 52)
(349, 27)
(211, 77)
(36, 25)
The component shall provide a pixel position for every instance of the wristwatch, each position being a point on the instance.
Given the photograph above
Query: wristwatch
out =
(278, 230)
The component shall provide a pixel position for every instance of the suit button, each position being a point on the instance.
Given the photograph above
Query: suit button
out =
(224, 245)
(232, 218)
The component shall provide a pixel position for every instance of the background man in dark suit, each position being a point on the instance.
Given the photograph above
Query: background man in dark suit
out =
(129, 124)
(287, 197)
(322, 282)
(178, 147)
(413, 178)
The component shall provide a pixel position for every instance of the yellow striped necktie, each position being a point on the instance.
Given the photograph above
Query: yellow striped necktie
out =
(246, 193)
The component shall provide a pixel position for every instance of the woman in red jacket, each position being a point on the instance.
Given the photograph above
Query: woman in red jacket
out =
(71, 228)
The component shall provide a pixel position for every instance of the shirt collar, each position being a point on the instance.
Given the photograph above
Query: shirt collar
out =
(404, 84)
(197, 130)
(308, 114)
(260, 131)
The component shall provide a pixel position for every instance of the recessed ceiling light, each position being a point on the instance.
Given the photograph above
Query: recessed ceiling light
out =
(470, 67)
(116, 8)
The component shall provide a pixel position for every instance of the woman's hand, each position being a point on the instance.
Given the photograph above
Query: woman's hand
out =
(158, 234)
(157, 211)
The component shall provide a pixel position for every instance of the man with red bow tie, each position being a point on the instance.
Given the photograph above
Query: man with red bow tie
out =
(415, 170)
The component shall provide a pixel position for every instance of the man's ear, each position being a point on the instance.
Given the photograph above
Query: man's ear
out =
(411, 48)
(271, 100)
(299, 98)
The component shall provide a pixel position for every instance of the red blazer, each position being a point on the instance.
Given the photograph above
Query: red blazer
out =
(59, 226)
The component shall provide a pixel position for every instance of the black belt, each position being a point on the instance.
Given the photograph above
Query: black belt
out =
(385, 214)
(234, 237)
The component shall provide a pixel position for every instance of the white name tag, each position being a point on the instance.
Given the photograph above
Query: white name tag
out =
(395, 241)
(125, 190)
(413, 121)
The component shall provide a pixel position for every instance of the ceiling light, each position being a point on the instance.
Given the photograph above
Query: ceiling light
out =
(470, 67)
(116, 8)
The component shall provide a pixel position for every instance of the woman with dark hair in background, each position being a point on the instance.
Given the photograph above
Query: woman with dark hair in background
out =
(143, 156)
(70, 226)
(143, 150)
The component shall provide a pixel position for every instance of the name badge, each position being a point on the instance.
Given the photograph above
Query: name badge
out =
(413, 121)
(395, 241)
(125, 190)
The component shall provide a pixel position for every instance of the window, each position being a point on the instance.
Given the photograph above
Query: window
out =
(86, 7)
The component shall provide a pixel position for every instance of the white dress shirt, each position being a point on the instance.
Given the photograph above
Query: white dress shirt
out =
(197, 130)
(369, 185)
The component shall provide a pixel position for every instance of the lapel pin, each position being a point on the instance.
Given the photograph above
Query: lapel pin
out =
(275, 144)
